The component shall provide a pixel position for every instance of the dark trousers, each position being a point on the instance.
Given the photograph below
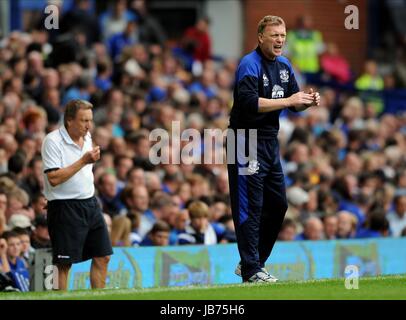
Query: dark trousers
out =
(258, 203)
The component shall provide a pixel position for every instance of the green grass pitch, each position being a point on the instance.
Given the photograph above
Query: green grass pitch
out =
(371, 288)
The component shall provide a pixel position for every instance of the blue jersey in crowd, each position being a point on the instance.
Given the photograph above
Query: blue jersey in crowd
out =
(20, 275)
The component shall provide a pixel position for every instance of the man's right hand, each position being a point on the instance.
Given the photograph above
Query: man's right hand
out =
(300, 98)
(91, 156)
(3, 246)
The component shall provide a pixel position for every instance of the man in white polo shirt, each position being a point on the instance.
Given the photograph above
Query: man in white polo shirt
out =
(75, 221)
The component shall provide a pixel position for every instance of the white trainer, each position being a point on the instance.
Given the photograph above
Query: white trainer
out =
(261, 277)
(237, 271)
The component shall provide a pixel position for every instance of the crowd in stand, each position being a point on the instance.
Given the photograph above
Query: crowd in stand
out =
(345, 161)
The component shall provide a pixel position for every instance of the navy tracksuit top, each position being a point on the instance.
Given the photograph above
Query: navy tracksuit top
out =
(256, 77)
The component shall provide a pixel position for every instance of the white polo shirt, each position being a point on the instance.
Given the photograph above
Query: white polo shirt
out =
(59, 151)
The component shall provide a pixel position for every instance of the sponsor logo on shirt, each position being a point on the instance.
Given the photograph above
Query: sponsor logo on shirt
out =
(277, 92)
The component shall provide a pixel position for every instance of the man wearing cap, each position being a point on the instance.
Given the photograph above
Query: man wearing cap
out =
(76, 225)
(19, 220)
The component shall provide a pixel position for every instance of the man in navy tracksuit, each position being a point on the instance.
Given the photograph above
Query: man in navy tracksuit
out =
(265, 84)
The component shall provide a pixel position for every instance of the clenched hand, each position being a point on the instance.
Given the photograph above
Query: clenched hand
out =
(92, 156)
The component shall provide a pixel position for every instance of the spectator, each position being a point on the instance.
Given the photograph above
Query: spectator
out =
(27, 251)
(4, 266)
(39, 204)
(199, 231)
(115, 19)
(288, 230)
(397, 217)
(120, 231)
(312, 230)
(297, 199)
(122, 164)
(198, 39)
(304, 45)
(104, 73)
(82, 18)
(158, 235)
(370, 79)
(40, 236)
(109, 194)
(7, 282)
(376, 226)
(118, 41)
(136, 200)
(17, 267)
(150, 30)
(346, 225)
(334, 65)
(33, 180)
(371, 82)
(227, 235)
(19, 220)
(330, 223)
(136, 177)
(181, 219)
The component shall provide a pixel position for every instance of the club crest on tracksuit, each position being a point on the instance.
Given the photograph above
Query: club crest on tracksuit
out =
(277, 92)
(284, 75)
(266, 80)
(253, 166)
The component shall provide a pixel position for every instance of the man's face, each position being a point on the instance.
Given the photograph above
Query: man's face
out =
(271, 40)
(39, 206)
(200, 224)
(37, 169)
(140, 199)
(25, 242)
(331, 226)
(109, 186)
(401, 206)
(160, 238)
(181, 220)
(288, 234)
(344, 225)
(123, 167)
(314, 230)
(14, 247)
(82, 122)
(137, 177)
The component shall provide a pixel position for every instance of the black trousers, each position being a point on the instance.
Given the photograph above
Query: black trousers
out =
(258, 201)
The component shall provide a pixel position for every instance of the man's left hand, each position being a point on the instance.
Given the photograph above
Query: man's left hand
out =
(316, 98)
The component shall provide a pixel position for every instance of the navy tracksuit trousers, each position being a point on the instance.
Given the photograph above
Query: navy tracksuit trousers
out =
(258, 203)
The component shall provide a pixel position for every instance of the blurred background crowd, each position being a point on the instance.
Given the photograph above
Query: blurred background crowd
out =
(345, 161)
